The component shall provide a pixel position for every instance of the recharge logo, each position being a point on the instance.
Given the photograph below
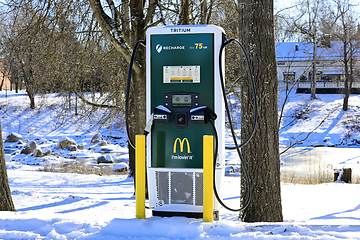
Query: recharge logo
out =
(182, 144)
(158, 48)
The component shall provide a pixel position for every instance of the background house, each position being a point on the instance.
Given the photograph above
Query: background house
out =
(4, 80)
(294, 65)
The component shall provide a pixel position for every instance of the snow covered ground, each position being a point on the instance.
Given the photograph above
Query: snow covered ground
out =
(73, 206)
(324, 136)
(88, 206)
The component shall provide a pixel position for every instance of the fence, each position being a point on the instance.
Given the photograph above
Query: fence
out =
(327, 84)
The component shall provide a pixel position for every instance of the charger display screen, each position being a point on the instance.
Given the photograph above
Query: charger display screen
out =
(181, 100)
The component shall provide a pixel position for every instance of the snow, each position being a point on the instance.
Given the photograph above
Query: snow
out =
(120, 166)
(16, 135)
(53, 205)
(74, 206)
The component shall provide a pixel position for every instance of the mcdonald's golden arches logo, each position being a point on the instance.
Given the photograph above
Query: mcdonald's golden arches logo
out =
(181, 142)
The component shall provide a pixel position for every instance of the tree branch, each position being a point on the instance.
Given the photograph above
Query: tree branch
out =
(161, 13)
(307, 136)
(150, 12)
(92, 103)
(286, 98)
(105, 23)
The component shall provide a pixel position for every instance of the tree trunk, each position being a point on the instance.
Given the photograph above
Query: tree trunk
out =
(27, 75)
(125, 23)
(184, 13)
(347, 77)
(261, 155)
(347, 88)
(137, 113)
(138, 90)
(6, 203)
(16, 87)
(203, 12)
(313, 83)
(31, 97)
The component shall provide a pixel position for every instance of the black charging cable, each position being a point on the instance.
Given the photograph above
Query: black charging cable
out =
(227, 42)
(127, 99)
(237, 147)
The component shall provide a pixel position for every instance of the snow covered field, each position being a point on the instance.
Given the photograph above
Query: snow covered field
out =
(88, 206)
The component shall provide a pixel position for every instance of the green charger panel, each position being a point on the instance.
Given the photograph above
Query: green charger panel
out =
(182, 77)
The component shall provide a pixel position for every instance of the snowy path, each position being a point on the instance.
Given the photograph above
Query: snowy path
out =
(71, 206)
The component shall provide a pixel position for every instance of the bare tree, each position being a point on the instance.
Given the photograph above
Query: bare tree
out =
(29, 42)
(112, 28)
(313, 19)
(60, 46)
(56, 46)
(285, 31)
(115, 23)
(347, 32)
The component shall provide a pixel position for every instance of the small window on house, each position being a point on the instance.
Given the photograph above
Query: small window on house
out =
(289, 76)
(318, 76)
(332, 76)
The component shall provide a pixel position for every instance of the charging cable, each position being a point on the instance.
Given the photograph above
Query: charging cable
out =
(237, 147)
(127, 99)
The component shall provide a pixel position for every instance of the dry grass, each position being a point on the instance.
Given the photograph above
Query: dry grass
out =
(355, 179)
(322, 174)
(310, 179)
(82, 168)
(314, 174)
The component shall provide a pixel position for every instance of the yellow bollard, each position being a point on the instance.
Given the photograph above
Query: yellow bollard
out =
(208, 200)
(140, 176)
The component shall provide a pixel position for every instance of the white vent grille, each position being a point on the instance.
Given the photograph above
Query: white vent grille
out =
(179, 187)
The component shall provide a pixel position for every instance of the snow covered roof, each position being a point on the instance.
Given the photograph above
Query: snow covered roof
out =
(303, 51)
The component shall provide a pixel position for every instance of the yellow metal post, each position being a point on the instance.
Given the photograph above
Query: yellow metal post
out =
(140, 176)
(208, 200)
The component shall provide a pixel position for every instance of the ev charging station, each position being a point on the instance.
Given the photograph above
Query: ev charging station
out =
(183, 90)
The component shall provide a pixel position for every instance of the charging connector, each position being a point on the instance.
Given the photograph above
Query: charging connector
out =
(149, 125)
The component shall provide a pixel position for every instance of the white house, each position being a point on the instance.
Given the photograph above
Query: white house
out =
(294, 64)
